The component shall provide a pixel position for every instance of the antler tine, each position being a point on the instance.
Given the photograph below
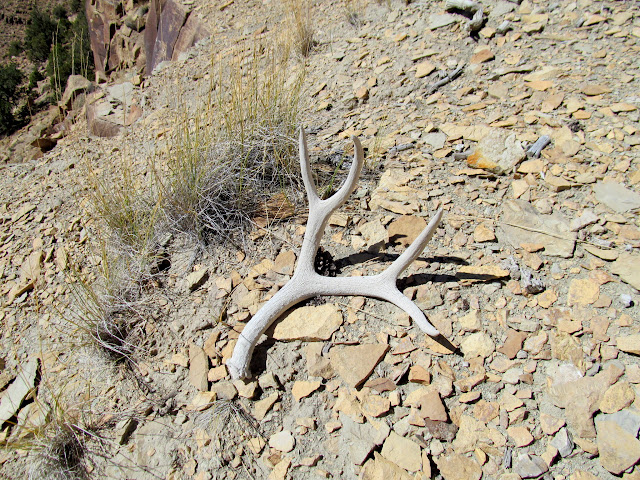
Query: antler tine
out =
(351, 181)
(305, 169)
(415, 249)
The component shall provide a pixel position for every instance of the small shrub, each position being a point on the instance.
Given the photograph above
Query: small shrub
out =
(34, 77)
(15, 48)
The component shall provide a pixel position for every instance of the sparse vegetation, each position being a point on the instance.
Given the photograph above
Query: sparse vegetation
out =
(301, 25)
(239, 151)
(353, 12)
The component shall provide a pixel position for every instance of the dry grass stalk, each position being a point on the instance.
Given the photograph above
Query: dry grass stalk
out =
(301, 27)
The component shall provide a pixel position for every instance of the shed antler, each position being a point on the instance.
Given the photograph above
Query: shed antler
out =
(306, 283)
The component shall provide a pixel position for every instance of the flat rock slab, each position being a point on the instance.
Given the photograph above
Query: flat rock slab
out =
(525, 225)
(618, 449)
(459, 467)
(361, 438)
(441, 20)
(616, 196)
(403, 452)
(310, 324)
(18, 390)
(627, 267)
(355, 363)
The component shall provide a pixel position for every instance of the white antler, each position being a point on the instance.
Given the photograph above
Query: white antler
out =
(306, 283)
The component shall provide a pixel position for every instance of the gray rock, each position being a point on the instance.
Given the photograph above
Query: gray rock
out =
(435, 140)
(521, 223)
(18, 390)
(616, 196)
(441, 20)
(588, 217)
(529, 466)
(627, 419)
(361, 438)
(563, 442)
(122, 92)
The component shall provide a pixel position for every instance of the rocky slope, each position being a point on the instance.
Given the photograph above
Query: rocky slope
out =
(533, 275)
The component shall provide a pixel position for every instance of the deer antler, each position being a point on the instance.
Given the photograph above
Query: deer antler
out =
(306, 283)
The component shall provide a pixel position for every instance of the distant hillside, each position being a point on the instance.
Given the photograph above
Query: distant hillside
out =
(14, 15)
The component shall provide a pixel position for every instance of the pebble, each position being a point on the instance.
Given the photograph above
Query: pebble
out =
(282, 441)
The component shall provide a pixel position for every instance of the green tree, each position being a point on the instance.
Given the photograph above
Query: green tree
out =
(10, 80)
(39, 35)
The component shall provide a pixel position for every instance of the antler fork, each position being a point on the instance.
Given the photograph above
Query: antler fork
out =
(306, 283)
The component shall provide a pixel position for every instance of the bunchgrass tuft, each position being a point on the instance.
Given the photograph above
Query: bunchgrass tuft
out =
(238, 151)
(301, 25)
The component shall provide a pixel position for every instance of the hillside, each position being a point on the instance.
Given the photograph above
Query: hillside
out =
(131, 264)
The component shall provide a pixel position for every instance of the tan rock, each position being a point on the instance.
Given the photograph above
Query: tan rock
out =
(617, 397)
(418, 374)
(618, 449)
(592, 89)
(582, 292)
(470, 322)
(432, 407)
(279, 472)
(480, 273)
(379, 468)
(629, 343)
(469, 433)
(483, 233)
(262, 407)
(627, 266)
(513, 343)
(581, 398)
(403, 452)
(246, 388)
(355, 363)
(520, 435)
(405, 229)
(303, 388)
(458, 467)
(309, 323)
(483, 55)
(424, 68)
(486, 411)
(549, 424)
(198, 368)
(477, 345)
(285, 262)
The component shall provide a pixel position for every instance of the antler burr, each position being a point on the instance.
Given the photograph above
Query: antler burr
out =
(306, 283)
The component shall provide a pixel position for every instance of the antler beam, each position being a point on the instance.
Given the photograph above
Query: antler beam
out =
(306, 283)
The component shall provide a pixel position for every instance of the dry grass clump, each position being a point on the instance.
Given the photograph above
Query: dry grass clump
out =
(300, 25)
(353, 11)
(59, 441)
(60, 453)
(238, 151)
(231, 426)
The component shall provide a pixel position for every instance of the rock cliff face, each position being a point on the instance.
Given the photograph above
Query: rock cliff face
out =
(128, 35)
